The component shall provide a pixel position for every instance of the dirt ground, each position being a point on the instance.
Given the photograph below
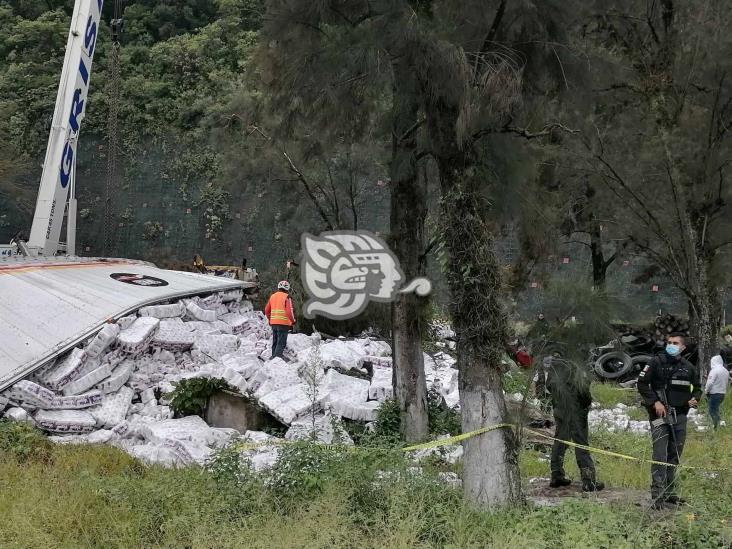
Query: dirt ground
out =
(540, 494)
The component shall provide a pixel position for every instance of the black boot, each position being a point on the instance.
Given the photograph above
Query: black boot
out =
(675, 500)
(558, 482)
(592, 486)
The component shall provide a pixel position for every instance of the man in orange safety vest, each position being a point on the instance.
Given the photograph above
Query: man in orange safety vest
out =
(281, 317)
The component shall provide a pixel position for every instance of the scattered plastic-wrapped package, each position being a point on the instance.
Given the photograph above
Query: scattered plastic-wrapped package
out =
(102, 436)
(113, 410)
(139, 382)
(216, 346)
(103, 340)
(237, 322)
(76, 402)
(326, 428)
(19, 414)
(287, 403)
(337, 386)
(65, 421)
(31, 393)
(375, 361)
(63, 374)
(357, 411)
(119, 376)
(223, 327)
(154, 455)
(42, 371)
(212, 302)
(246, 364)
(273, 375)
(173, 337)
(88, 381)
(231, 295)
(199, 313)
(126, 321)
(335, 354)
(147, 395)
(381, 387)
(135, 339)
(3, 402)
(163, 311)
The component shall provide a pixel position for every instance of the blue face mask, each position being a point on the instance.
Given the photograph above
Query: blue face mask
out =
(673, 350)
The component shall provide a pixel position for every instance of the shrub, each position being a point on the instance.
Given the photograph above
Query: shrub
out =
(23, 441)
(191, 396)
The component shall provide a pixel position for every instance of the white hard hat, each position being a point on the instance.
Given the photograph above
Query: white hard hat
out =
(283, 285)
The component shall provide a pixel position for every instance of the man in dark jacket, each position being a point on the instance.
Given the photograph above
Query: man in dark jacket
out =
(669, 385)
(571, 400)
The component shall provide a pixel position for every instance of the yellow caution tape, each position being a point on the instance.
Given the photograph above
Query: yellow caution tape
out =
(456, 438)
(609, 453)
(459, 438)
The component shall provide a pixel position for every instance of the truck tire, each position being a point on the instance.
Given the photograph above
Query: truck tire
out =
(613, 365)
(640, 362)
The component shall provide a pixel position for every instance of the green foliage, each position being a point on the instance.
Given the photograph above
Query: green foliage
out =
(442, 420)
(102, 497)
(302, 469)
(191, 396)
(23, 442)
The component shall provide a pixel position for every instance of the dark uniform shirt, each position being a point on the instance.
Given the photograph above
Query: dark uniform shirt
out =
(569, 387)
(676, 375)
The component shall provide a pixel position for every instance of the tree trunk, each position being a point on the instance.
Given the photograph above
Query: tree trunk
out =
(706, 320)
(490, 462)
(408, 212)
(599, 265)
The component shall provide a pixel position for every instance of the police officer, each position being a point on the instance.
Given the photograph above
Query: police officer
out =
(571, 400)
(669, 385)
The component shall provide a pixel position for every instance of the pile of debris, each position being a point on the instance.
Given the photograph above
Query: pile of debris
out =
(115, 388)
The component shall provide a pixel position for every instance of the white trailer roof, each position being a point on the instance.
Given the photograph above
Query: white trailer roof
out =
(48, 306)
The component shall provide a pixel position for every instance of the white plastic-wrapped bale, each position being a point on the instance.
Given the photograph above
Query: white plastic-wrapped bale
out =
(135, 339)
(77, 402)
(119, 376)
(65, 421)
(163, 311)
(103, 340)
(88, 381)
(287, 403)
(64, 373)
(381, 387)
(31, 393)
(375, 361)
(114, 409)
(198, 313)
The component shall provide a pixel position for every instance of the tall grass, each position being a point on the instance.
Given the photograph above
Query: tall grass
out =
(97, 496)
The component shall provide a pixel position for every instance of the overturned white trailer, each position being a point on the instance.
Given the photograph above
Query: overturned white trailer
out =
(50, 305)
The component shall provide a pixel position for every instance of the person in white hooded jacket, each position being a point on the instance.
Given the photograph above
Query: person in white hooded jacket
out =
(716, 387)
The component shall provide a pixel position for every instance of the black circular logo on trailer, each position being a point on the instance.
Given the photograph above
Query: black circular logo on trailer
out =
(139, 280)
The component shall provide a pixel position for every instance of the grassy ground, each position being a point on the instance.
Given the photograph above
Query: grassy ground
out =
(97, 496)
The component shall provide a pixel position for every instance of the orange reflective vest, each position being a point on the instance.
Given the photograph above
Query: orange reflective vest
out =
(279, 309)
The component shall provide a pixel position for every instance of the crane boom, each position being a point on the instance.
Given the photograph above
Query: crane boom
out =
(60, 161)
